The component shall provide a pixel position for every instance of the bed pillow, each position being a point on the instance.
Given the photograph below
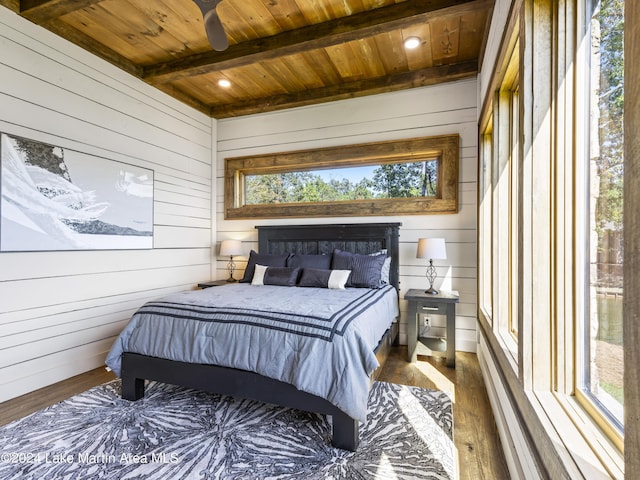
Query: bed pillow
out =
(324, 278)
(386, 267)
(322, 262)
(366, 270)
(282, 276)
(268, 260)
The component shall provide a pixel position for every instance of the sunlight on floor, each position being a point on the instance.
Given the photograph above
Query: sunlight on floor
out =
(429, 431)
(440, 381)
(385, 469)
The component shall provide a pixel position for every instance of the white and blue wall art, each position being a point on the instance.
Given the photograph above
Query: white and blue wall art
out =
(61, 199)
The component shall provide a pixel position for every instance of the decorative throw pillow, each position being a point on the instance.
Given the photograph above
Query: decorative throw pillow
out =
(323, 278)
(283, 276)
(269, 260)
(386, 267)
(309, 261)
(365, 269)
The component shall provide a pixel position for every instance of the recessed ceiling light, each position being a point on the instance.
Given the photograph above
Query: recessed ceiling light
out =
(223, 82)
(412, 42)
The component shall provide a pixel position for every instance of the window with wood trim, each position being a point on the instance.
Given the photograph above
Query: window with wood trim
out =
(404, 177)
(550, 227)
(600, 345)
(499, 156)
(485, 222)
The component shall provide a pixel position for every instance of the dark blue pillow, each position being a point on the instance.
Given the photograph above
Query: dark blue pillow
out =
(282, 276)
(268, 260)
(365, 269)
(322, 262)
(321, 278)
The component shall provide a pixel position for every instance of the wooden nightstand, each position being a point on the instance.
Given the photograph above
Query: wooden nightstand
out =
(213, 283)
(443, 303)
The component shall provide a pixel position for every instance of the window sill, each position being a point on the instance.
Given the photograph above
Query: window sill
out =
(508, 345)
(586, 446)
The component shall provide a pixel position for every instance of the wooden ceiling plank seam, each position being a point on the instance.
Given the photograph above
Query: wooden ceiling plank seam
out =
(254, 17)
(471, 27)
(304, 73)
(324, 67)
(47, 11)
(184, 24)
(92, 20)
(393, 55)
(287, 14)
(341, 56)
(372, 56)
(429, 76)
(283, 76)
(139, 24)
(323, 35)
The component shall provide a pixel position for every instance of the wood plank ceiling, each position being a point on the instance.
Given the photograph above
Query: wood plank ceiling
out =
(282, 53)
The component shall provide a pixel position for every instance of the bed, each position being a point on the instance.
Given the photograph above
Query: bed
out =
(353, 326)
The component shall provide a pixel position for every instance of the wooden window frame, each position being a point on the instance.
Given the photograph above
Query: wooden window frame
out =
(444, 148)
(571, 442)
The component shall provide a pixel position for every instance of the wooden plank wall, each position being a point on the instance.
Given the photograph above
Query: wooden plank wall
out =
(437, 110)
(60, 311)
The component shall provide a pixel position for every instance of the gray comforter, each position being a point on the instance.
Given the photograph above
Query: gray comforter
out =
(317, 339)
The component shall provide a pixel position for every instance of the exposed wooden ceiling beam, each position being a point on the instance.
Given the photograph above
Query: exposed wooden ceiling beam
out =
(421, 78)
(46, 11)
(313, 37)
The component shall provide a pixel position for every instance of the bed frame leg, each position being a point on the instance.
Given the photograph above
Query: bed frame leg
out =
(132, 388)
(345, 432)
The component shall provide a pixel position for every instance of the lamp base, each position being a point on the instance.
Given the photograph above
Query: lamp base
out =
(431, 291)
(231, 279)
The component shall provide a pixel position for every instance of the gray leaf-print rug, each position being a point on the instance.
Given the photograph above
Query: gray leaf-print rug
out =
(177, 433)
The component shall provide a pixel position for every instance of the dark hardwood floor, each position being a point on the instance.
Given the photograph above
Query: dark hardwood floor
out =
(476, 439)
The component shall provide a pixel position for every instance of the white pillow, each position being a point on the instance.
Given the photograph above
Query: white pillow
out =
(338, 279)
(258, 275)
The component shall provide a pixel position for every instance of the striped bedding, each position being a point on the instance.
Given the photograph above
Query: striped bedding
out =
(320, 340)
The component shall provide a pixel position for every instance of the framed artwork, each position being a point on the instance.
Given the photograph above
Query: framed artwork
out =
(60, 199)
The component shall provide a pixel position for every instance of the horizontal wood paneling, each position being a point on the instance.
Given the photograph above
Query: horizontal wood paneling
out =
(60, 311)
(437, 110)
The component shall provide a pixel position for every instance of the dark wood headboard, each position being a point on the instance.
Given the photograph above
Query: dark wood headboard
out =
(361, 238)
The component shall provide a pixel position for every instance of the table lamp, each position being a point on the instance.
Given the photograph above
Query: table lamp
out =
(431, 248)
(231, 248)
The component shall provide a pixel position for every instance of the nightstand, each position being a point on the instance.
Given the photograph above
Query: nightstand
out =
(443, 303)
(212, 283)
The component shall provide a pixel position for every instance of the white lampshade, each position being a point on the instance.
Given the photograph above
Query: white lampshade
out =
(431, 248)
(230, 248)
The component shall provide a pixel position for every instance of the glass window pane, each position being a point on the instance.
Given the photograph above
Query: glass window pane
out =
(391, 180)
(604, 342)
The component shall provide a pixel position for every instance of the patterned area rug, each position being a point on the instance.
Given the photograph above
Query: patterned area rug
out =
(176, 433)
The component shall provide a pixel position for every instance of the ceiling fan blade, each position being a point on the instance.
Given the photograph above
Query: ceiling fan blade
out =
(215, 31)
(212, 24)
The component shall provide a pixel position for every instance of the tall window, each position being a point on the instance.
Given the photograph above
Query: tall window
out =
(602, 380)
(551, 177)
(498, 212)
(485, 216)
